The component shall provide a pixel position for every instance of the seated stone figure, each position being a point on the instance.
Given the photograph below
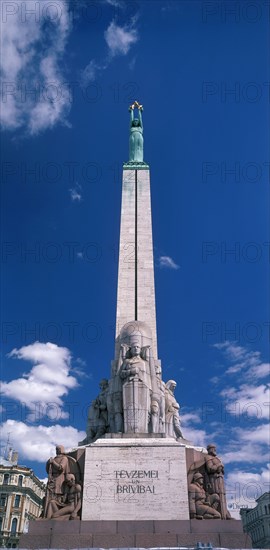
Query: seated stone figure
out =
(202, 505)
(58, 469)
(70, 504)
(172, 418)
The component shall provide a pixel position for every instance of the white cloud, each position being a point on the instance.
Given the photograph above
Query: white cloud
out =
(115, 3)
(75, 193)
(120, 39)
(247, 391)
(243, 359)
(196, 436)
(247, 445)
(251, 400)
(38, 442)
(260, 434)
(166, 261)
(260, 370)
(32, 46)
(190, 418)
(42, 388)
(243, 487)
(89, 74)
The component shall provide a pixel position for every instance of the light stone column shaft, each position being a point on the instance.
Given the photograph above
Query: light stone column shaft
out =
(136, 286)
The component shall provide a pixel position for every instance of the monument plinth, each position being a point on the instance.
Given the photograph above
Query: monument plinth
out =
(134, 480)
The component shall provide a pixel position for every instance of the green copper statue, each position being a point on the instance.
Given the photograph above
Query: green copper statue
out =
(136, 134)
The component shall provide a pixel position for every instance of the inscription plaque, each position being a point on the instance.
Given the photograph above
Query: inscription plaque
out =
(148, 475)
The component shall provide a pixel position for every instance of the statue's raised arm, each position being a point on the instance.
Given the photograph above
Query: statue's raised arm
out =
(140, 116)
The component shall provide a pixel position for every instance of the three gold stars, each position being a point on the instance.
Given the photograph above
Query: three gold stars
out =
(136, 104)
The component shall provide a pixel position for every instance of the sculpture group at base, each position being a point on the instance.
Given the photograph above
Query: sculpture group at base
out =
(207, 495)
(63, 493)
(206, 489)
(135, 399)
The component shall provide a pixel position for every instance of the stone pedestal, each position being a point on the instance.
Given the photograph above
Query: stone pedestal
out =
(135, 496)
(135, 534)
(135, 479)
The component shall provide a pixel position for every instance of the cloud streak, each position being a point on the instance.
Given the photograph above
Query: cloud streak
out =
(76, 193)
(168, 263)
(119, 40)
(247, 372)
(35, 97)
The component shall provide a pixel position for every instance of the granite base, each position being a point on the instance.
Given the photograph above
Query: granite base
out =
(134, 534)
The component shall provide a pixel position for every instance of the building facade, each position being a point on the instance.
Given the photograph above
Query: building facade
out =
(256, 522)
(21, 496)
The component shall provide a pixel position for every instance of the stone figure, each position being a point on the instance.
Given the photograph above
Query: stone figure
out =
(136, 134)
(172, 418)
(210, 467)
(214, 479)
(135, 373)
(115, 400)
(158, 405)
(202, 505)
(97, 422)
(134, 396)
(58, 470)
(70, 504)
(133, 401)
(134, 366)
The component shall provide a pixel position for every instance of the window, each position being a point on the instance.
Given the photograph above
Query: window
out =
(17, 501)
(6, 479)
(14, 526)
(20, 480)
(3, 499)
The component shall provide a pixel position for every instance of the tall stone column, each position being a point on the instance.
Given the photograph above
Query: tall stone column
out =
(136, 286)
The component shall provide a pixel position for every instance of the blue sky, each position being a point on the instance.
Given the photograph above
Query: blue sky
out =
(69, 73)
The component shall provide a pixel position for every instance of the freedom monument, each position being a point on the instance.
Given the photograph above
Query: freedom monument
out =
(135, 481)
